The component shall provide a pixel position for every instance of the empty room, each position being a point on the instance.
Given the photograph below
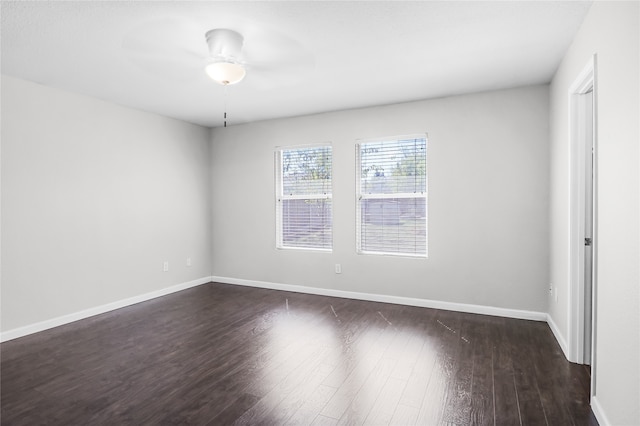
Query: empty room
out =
(387, 212)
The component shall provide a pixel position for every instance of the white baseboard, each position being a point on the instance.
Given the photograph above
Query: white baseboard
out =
(409, 301)
(66, 319)
(558, 335)
(599, 412)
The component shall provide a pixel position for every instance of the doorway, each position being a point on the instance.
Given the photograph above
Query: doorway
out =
(583, 214)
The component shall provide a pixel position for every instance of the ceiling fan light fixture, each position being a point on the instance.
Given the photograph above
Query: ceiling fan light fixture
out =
(225, 73)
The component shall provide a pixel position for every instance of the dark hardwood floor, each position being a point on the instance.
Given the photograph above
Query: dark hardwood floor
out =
(221, 354)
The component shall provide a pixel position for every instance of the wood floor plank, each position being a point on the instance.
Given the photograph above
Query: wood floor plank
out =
(546, 373)
(368, 359)
(526, 383)
(305, 364)
(505, 401)
(405, 415)
(355, 337)
(416, 387)
(386, 404)
(313, 403)
(363, 402)
(482, 392)
(418, 381)
(232, 412)
(457, 408)
(294, 400)
(324, 421)
(223, 354)
(441, 380)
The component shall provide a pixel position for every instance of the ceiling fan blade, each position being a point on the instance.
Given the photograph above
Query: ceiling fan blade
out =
(169, 48)
(271, 76)
(274, 59)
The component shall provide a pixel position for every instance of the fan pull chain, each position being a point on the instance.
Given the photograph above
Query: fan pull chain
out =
(225, 105)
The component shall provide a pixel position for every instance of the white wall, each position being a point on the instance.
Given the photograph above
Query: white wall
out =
(94, 198)
(488, 201)
(611, 31)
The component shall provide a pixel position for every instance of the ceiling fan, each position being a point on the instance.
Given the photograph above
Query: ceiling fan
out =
(225, 46)
(182, 50)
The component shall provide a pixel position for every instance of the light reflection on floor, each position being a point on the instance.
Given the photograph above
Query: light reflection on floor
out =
(318, 361)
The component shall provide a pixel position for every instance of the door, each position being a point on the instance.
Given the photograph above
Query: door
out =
(587, 102)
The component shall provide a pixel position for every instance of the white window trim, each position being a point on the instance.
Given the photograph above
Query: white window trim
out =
(363, 196)
(281, 196)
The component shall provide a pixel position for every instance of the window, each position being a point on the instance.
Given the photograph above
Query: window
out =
(303, 198)
(391, 186)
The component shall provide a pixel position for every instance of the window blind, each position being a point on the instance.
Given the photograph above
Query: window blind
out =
(303, 198)
(392, 196)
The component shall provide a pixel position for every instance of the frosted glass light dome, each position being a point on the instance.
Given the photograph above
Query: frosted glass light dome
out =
(225, 73)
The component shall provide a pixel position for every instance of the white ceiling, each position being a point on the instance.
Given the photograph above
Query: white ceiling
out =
(352, 54)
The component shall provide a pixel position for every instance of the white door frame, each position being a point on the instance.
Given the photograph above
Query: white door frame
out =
(585, 82)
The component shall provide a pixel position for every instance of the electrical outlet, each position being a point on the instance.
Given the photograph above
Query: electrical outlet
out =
(165, 266)
(188, 261)
(551, 288)
(338, 268)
